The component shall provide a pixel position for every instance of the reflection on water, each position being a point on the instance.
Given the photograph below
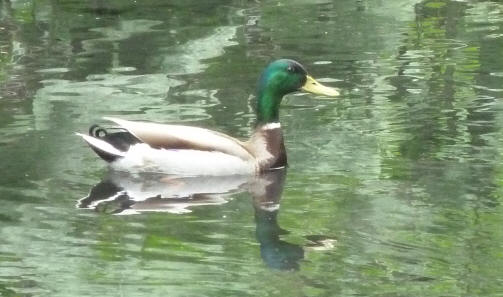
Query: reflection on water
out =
(122, 193)
(153, 192)
(189, 57)
(145, 93)
(403, 169)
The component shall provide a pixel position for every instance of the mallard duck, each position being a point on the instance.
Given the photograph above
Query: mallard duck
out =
(184, 150)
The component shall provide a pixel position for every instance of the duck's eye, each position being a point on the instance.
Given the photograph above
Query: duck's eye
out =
(289, 69)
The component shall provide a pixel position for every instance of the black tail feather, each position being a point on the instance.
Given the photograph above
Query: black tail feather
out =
(121, 140)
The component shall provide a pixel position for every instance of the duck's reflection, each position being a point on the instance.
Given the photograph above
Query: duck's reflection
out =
(121, 193)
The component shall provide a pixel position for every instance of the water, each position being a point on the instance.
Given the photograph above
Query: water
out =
(393, 189)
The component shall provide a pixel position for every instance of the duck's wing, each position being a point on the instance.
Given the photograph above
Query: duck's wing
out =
(183, 137)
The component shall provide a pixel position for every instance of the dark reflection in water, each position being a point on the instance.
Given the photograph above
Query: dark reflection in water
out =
(122, 193)
(275, 252)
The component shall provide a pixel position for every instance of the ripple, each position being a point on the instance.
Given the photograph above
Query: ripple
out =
(493, 36)
(322, 62)
(328, 79)
(53, 70)
(100, 93)
(190, 56)
(126, 29)
(488, 89)
(123, 69)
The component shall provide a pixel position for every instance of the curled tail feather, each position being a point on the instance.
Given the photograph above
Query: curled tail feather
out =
(103, 149)
(109, 145)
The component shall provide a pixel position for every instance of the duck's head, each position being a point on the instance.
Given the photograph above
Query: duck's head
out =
(282, 77)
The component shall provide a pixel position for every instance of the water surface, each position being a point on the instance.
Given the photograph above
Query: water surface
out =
(393, 189)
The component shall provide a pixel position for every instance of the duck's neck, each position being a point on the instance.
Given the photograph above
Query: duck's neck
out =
(268, 106)
(267, 144)
(268, 147)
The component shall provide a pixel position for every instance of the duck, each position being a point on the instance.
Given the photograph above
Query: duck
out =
(147, 147)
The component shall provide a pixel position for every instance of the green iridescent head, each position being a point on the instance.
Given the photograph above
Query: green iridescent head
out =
(282, 77)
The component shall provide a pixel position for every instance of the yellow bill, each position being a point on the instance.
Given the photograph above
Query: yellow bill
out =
(312, 86)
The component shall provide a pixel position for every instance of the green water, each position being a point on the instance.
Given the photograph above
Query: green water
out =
(393, 189)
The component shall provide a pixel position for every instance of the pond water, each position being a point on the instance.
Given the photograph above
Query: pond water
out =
(394, 189)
